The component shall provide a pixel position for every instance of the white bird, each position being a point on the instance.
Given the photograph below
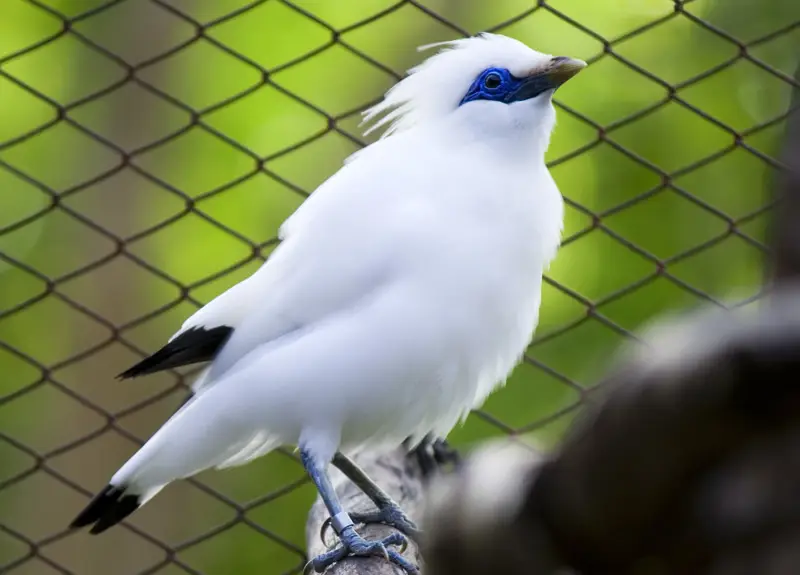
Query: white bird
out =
(405, 290)
(204, 333)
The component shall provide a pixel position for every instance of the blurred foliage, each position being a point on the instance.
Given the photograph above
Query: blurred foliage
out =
(199, 209)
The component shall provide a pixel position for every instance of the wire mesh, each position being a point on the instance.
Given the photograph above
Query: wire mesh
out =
(100, 265)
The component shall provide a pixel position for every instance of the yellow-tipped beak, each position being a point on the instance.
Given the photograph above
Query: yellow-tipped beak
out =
(563, 68)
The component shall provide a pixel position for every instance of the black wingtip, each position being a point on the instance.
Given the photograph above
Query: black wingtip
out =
(134, 371)
(106, 509)
(150, 364)
(195, 345)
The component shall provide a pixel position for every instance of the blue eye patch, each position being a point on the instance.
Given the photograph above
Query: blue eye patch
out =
(499, 85)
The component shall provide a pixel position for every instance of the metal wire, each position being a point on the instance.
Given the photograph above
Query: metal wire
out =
(128, 159)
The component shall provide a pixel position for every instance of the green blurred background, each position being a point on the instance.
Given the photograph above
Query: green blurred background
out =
(108, 242)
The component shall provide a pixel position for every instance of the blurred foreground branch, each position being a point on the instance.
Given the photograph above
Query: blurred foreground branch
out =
(401, 477)
(689, 465)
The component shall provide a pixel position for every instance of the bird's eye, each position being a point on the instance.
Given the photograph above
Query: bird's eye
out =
(492, 81)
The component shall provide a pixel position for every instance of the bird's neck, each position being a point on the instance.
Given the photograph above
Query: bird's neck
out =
(514, 141)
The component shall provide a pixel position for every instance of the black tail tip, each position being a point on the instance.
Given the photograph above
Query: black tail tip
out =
(106, 509)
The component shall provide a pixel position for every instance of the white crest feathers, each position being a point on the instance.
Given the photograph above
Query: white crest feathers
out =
(435, 87)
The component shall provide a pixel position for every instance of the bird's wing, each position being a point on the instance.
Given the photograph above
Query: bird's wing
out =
(320, 269)
(196, 344)
(204, 333)
(346, 241)
(318, 375)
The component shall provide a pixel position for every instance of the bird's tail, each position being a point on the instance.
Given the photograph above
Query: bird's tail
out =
(211, 430)
(115, 502)
(110, 506)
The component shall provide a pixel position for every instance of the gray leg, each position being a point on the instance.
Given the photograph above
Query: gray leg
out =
(352, 543)
(389, 512)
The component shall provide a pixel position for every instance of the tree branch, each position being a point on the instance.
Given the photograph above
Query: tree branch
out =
(688, 465)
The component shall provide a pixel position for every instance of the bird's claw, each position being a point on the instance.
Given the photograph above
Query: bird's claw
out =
(353, 545)
(323, 532)
(390, 515)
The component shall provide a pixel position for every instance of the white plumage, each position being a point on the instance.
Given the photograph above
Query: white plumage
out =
(405, 290)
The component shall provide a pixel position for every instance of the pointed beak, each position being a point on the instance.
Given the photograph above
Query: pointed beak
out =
(562, 69)
(559, 70)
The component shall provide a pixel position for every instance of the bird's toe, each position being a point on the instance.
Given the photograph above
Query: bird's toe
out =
(392, 516)
(353, 545)
(445, 454)
(434, 455)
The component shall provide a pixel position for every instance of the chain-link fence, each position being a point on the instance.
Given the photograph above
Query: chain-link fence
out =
(150, 150)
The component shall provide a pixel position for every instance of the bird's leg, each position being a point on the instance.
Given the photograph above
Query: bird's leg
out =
(388, 513)
(431, 454)
(352, 543)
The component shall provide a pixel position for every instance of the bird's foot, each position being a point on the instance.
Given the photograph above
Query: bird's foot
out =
(445, 454)
(353, 545)
(390, 515)
(433, 455)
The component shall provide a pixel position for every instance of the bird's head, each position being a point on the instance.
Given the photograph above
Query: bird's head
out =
(492, 81)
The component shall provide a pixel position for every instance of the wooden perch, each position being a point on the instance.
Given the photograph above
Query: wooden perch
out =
(401, 477)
